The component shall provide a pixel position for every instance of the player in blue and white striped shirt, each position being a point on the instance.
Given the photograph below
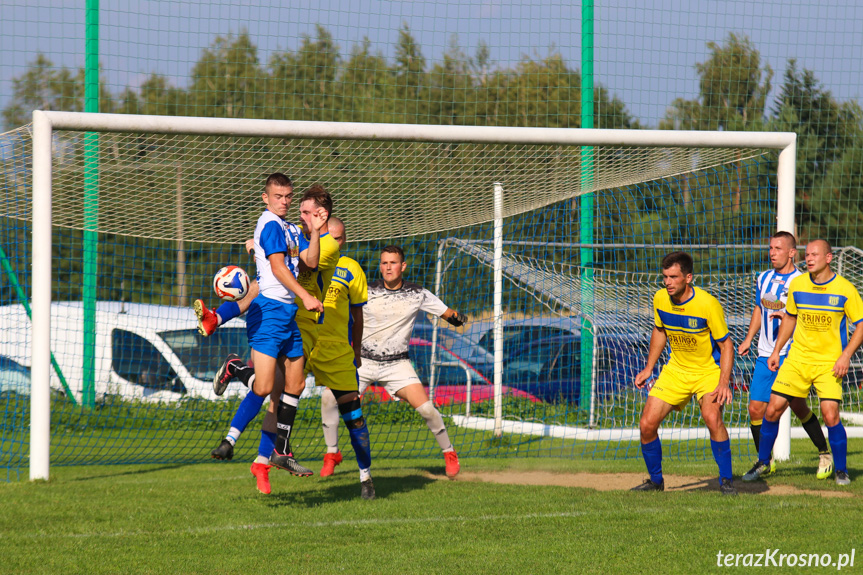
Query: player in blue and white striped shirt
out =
(771, 293)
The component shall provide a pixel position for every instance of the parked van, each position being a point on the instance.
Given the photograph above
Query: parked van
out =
(142, 351)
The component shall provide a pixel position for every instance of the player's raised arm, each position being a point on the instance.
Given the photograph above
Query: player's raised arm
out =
(454, 318)
(287, 279)
(314, 220)
(658, 339)
(754, 326)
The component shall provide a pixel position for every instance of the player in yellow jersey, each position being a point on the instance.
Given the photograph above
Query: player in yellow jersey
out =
(692, 322)
(335, 359)
(281, 412)
(820, 304)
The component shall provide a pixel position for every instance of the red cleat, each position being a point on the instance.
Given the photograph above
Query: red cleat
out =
(452, 465)
(330, 462)
(261, 471)
(208, 321)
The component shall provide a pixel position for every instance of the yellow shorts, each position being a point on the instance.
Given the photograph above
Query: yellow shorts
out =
(796, 379)
(332, 362)
(676, 387)
(309, 330)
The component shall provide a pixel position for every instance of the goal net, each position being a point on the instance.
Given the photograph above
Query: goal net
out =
(141, 211)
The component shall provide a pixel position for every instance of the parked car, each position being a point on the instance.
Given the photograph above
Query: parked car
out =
(14, 377)
(151, 352)
(550, 368)
(459, 344)
(519, 333)
(453, 372)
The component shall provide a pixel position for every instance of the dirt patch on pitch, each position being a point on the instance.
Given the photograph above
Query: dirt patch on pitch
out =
(625, 481)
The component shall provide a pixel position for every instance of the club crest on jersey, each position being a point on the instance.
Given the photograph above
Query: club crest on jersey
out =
(693, 323)
(834, 300)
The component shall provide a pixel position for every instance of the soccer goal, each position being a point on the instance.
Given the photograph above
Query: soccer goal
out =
(548, 238)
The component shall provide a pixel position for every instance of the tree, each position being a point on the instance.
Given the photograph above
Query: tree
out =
(832, 208)
(307, 78)
(451, 85)
(733, 87)
(828, 153)
(410, 77)
(366, 86)
(46, 87)
(227, 82)
(155, 96)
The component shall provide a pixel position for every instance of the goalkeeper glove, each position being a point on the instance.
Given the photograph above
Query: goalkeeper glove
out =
(457, 319)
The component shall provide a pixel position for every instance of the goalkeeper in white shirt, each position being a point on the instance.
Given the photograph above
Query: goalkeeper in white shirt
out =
(388, 320)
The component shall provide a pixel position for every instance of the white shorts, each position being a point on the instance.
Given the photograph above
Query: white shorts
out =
(393, 375)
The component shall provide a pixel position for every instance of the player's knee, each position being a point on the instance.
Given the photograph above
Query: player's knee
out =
(328, 400)
(427, 410)
(831, 416)
(773, 413)
(756, 410)
(350, 408)
(713, 420)
(648, 427)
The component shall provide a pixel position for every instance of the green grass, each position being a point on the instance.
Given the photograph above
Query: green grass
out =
(208, 518)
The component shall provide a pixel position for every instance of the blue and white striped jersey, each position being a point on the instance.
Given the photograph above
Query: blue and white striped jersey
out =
(275, 235)
(771, 293)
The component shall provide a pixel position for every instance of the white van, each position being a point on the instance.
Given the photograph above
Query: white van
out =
(151, 352)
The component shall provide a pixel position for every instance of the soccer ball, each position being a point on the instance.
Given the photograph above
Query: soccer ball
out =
(231, 283)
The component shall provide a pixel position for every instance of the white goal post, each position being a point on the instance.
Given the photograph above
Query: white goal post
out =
(46, 122)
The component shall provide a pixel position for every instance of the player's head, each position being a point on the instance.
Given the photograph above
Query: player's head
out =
(278, 193)
(783, 249)
(677, 273)
(393, 264)
(314, 199)
(337, 230)
(819, 254)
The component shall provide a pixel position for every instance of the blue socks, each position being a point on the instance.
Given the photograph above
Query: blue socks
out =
(228, 311)
(268, 442)
(652, 453)
(248, 410)
(722, 455)
(362, 446)
(769, 431)
(839, 446)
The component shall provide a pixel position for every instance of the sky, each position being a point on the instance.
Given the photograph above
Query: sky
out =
(645, 50)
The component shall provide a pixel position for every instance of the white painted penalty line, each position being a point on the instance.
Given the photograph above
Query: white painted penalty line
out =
(624, 434)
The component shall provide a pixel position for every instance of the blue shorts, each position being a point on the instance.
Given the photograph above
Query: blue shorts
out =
(272, 329)
(762, 380)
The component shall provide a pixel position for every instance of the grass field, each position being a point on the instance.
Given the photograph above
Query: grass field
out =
(503, 515)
